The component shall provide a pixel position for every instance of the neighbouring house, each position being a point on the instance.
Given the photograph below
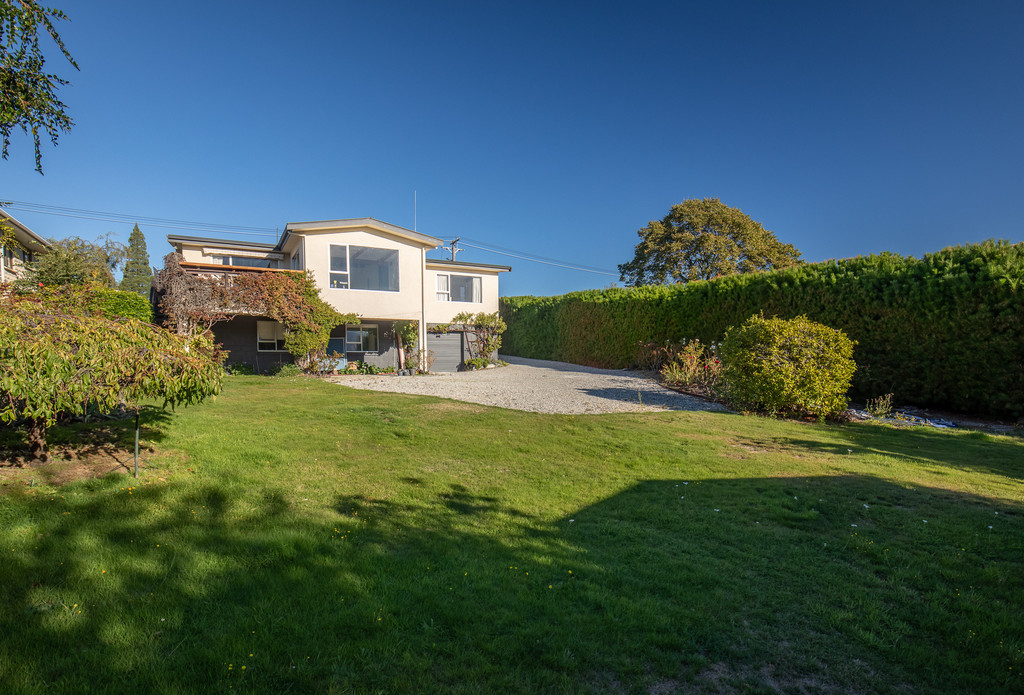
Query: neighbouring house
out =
(15, 256)
(376, 270)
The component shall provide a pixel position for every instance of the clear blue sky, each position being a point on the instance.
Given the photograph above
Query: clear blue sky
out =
(553, 128)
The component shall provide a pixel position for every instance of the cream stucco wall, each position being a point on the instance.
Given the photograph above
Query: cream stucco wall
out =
(403, 304)
(443, 312)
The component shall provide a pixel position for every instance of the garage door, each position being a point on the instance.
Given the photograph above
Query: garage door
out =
(447, 351)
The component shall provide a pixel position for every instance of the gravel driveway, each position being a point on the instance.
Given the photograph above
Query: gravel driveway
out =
(541, 386)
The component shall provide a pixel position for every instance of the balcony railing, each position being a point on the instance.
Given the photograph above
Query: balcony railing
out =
(214, 270)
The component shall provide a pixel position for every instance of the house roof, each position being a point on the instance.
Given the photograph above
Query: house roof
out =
(19, 227)
(357, 222)
(465, 265)
(175, 239)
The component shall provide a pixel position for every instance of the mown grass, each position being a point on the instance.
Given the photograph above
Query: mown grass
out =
(296, 536)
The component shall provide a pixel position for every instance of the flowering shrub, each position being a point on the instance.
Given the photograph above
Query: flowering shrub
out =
(694, 367)
(787, 366)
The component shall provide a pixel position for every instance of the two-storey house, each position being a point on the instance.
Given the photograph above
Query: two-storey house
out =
(376, 270)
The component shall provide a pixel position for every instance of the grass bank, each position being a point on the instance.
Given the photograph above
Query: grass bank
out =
(299, 536)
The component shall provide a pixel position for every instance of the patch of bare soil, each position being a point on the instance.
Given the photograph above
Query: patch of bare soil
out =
(66, 464)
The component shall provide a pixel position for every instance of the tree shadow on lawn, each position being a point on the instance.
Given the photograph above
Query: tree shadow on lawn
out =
(936, 449)
(98, 446)
(819, 584)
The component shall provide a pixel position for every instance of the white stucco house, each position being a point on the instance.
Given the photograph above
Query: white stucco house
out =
(376, 270)
(15, 256)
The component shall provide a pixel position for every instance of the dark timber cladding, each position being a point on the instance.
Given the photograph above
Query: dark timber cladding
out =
(446, 350)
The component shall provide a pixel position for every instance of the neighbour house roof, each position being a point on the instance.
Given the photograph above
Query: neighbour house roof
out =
(34, 240)
(233, 244)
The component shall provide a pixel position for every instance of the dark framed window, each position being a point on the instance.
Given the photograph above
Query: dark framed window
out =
(269, 336)
(361, 338)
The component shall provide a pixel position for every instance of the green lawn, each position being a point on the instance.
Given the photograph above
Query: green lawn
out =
(303, 537)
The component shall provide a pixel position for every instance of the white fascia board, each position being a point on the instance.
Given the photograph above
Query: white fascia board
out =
(364, 223)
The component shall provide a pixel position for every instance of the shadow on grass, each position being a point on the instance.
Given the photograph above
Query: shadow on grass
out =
(846, 584)
(110, 438)
(966, 450)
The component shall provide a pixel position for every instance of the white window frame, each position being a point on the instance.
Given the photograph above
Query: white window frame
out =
(336, 275)
(346, 283)
(362, 327)
(445, 295)
(270, 332)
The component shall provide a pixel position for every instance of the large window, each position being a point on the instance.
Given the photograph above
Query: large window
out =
(246, 262)
(364, 268)
(269, 336)
(459, 288)
(339, 267)
(362, 338)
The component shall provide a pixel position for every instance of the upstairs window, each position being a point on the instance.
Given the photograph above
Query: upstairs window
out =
(246, 262)
(339, 267)
(459, 288)
(364, 268)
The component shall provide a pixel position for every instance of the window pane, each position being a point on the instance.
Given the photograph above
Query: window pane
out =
(442, 296)
(442, 283)
(269, 336)
(361, 339)
(339, 281)
(465, 288)
(373, 269)
(339, 258)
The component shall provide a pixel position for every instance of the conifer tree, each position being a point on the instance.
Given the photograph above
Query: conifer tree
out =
(137, 274)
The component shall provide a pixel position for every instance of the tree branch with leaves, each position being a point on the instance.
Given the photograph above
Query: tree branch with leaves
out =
(28, 93)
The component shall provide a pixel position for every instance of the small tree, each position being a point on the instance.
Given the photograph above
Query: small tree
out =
(138, 276)
(75, 261)
(701, 240)
(483, 333)
(407, 335)
(54, 364)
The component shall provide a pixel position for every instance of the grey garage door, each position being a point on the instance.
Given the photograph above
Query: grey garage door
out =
(447, 351)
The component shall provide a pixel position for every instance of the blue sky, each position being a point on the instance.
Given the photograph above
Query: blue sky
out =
(555, 129)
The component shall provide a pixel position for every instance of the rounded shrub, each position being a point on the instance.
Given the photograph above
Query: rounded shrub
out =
(285, 369)
(787, 366)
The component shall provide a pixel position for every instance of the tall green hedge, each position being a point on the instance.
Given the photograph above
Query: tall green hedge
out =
(941, 331)
(116, 304)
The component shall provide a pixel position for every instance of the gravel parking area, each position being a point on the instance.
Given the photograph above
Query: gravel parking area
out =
(541, 386)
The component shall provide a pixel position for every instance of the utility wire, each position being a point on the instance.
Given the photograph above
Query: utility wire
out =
(148, 221)
(495, 249)
(544, 261)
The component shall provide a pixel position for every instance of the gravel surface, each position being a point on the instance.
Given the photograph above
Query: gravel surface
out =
(541, 386)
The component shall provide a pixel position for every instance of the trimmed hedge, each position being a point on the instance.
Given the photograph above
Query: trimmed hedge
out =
(115, 304)
(941, 331)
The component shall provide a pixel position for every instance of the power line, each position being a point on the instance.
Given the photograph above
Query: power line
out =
(558, 264)
(187, 225)
(494, 248)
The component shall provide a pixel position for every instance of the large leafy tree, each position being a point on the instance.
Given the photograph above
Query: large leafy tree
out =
(28, 93)
(75, 261)
(701, 240)
(138, 276)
